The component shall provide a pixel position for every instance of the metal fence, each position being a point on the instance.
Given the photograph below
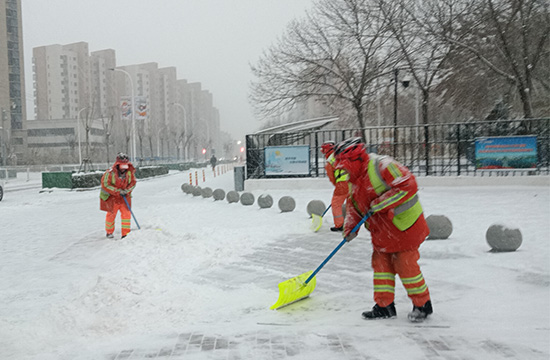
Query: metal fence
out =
(427, 150)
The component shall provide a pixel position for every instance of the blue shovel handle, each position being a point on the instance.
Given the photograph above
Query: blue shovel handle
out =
(129, 208)
(338, 247)
(326, 210)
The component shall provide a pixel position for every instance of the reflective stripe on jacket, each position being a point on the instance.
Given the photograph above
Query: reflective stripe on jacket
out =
(388, 188)
(406, 214)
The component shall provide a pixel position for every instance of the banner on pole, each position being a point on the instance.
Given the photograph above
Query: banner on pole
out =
(141, 108)
(126, 108)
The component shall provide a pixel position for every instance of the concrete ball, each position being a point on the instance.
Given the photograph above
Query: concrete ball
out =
(196, 191)
(232, 196)
(206, 192)
(440, 227)
(316, 207)
(287, 204)
(501, 238)
(219, 194)
(265, 201)
(247, 199)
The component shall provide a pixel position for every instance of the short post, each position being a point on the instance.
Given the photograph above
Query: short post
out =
(239, 178)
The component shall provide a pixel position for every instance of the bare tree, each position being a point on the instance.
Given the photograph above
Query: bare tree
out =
(335, 54)
(508, 37)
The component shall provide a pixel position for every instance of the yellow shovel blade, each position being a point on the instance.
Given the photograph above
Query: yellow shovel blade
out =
(316, 222)
(294, 289)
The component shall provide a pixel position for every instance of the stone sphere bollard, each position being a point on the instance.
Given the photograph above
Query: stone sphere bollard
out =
(232, 196)
(197, 191)
(185, 187)
(206, 192)
(219, 194)
(287, 204)
(265, 201)
(247, 199)
(316, 207)
(501, 238)
(440, 227)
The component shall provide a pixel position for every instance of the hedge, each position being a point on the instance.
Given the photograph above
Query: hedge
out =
(58, 179)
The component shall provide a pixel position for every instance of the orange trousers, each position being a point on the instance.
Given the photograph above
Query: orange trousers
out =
(110, 218)
(404, 264)
(336, 205)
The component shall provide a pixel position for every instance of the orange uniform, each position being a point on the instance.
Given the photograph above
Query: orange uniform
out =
(113, 182)
(397, 226)
(338, 178)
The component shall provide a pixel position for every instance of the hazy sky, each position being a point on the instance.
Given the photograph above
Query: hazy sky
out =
(208, 41)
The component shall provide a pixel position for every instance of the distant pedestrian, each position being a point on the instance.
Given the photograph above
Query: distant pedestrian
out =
(116, 182)
(213, 162)
(339, 179)
(388, 190)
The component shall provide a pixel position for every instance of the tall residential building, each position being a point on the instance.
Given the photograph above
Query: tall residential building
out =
(102, 82)
(12, 84)
(62, 80)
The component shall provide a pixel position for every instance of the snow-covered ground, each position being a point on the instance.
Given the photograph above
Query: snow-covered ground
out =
(197, 280)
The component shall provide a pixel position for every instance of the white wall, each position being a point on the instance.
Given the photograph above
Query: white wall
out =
(324, 183)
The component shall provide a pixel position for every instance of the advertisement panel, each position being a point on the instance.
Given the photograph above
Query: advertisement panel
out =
(126, 108)
(141, 108)
(507, 152)
(287, 160)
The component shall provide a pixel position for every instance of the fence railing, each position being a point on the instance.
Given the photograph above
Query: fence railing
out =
(427, 150)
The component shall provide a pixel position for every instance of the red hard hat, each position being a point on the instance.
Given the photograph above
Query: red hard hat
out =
(350, 155)
(328, 147)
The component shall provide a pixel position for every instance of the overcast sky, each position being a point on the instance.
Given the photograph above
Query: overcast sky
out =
(208, 41)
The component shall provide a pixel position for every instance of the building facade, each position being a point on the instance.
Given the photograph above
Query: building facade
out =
(173, 119)
(13, 140)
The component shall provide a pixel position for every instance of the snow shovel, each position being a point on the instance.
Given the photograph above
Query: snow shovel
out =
(317, 221)
(296, 289)
(129, 208)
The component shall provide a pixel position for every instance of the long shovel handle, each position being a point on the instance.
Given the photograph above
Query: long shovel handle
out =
(326, 210)
(131, 212)
(338, 247)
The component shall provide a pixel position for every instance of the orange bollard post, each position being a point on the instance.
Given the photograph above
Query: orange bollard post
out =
(190, 178)
(196, 178)
(203, 178)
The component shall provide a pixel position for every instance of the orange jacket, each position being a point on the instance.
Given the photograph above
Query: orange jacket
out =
(340, 187)
(386, 237)
(111, 185)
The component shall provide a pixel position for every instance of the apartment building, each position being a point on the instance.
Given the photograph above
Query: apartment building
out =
(75, 85)
(13, 115)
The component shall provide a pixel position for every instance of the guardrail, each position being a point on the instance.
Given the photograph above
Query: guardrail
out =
(427, 150)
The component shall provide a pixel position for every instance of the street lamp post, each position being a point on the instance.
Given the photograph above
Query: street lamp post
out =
(78, 129)
(133, 111)
(184, 124)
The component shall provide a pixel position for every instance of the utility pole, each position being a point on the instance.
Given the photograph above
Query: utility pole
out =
(3, 148)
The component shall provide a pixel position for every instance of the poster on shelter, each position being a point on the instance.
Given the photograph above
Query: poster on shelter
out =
(287, 160)
(506, 152)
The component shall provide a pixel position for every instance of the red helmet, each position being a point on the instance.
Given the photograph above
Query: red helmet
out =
(328, 147)
(122, 158)
(350, 155)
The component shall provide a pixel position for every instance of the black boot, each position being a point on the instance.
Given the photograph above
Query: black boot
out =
(379, 312)
(334, 228)
(419, 314)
